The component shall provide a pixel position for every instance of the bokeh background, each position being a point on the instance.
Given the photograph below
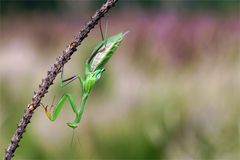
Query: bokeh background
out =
(171, 91)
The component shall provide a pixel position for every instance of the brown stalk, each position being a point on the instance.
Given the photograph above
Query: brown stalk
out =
(51, 75)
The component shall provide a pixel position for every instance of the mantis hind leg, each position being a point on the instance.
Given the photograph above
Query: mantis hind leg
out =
(104, 37)
(65, 82)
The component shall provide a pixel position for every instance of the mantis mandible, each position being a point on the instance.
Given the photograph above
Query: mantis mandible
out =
(93, 71)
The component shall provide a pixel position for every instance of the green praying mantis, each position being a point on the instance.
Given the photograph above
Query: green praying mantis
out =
(93, 71)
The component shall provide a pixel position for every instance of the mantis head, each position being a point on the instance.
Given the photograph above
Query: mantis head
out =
(72, 125)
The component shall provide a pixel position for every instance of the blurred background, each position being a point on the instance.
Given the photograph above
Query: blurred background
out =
(171, 91)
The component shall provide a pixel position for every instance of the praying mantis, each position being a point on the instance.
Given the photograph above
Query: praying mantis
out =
(94, 68)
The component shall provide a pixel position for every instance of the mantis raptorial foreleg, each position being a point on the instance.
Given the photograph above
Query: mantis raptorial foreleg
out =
(60, 105)
(57, 109)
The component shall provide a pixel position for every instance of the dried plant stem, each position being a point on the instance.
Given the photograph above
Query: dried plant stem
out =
(51, 74)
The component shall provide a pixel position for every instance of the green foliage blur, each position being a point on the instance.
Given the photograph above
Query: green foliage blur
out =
(171, 91)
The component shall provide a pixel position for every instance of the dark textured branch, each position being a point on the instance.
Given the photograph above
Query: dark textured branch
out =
(51, 74)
